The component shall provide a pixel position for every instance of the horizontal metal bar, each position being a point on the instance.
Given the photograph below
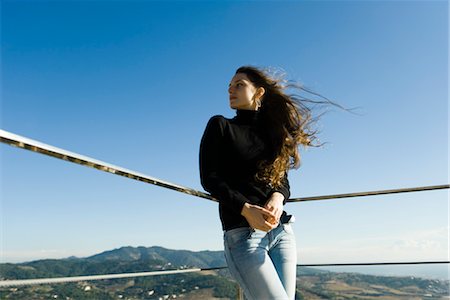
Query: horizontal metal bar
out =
(377, 264)
(372, 193)
(358, 264)
(35, 146)
(91, 277)
(171, 272)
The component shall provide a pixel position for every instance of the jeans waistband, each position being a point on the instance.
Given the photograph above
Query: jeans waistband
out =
(285, 218)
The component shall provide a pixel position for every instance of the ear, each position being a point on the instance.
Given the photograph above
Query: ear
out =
(260, 91)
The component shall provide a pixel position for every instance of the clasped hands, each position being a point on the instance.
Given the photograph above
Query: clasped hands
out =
(264, 218)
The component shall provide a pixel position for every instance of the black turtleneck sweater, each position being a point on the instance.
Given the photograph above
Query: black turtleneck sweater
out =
(229, 152)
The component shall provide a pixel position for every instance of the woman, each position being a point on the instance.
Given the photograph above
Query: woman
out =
(244, 163)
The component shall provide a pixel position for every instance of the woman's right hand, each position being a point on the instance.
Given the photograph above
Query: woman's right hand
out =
(256, 216)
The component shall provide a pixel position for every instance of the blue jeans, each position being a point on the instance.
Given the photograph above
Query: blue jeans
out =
(263, 263)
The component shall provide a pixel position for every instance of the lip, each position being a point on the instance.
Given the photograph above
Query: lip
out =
(233, 98)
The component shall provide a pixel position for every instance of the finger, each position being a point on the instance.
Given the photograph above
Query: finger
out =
(265, 228)
(279, 215)
(265, 225)
(278, 211)
(276, 214)
(263, 209)
(267, 218)
(269, 208)
(266, 212)
(269, 225)
(272, 221)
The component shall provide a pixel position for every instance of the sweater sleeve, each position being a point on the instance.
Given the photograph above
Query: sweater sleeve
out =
(283, 189)
(210, 156)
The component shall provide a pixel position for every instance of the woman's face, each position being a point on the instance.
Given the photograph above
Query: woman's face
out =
(243, 93)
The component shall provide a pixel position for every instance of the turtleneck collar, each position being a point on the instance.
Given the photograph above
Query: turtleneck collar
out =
(246, 116)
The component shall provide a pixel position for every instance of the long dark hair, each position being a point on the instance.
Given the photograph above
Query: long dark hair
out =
(286, 120)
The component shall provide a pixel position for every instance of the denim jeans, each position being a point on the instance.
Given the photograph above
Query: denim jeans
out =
(263, 263)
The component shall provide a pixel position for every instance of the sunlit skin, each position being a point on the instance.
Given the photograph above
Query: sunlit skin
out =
(243, 95)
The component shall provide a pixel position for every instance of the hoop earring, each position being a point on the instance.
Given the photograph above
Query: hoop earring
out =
(258, 103)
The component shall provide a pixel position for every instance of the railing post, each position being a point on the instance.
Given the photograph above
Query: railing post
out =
(240, 292)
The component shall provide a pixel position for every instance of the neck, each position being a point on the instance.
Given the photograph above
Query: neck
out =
(246, 116)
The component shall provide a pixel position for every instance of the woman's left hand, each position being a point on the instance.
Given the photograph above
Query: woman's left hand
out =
(275, 205)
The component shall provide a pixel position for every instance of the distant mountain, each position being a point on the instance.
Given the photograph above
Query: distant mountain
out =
(121, 260)
(201, 259)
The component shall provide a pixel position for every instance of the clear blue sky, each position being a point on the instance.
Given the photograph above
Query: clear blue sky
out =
(134, 84)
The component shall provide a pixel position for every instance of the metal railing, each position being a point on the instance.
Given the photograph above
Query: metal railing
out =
(39, 147)
(35, 146)
(53, 280)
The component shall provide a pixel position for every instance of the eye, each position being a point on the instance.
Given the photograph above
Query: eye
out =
(237, 84)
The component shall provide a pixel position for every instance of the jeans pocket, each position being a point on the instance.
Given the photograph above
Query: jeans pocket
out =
(234, 236)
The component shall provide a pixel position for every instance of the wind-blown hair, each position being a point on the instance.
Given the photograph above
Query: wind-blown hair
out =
(286, 121)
